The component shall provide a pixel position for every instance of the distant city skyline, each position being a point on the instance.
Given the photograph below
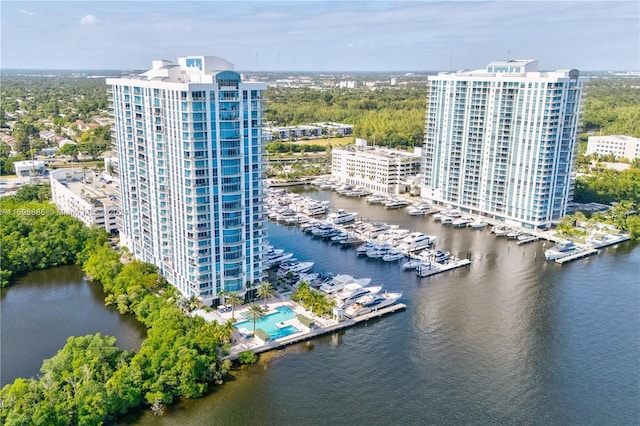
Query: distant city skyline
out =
(321, 36)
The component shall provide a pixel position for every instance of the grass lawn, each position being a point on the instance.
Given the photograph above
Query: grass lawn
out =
(349, 140)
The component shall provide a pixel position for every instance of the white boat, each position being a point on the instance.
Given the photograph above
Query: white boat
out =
(412, 264)
(294, 268)
(278, 259)
(378, 251)
(341, 216)
(353, 291)
(461, 221)
(393, 255)
(396, 203)
(447, 220)
(477, 224)
(316, 209)
(340, 237)
(376, 229)
(376, 199)
(501, 230)
(441, 256)
(426, 269)
(562, 249)
(338, 282)
(416, 241)
(365, 247)
(370, 303)
(438, 216)
(322, 230)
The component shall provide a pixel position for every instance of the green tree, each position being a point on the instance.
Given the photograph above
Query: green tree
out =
(265, 291)
(254, 313)
(235, 300)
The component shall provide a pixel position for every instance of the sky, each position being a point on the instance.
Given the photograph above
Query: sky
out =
(321, 36)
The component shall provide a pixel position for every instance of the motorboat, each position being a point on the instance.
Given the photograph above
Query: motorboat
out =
(338, 282)
(460, 222)
(376, 229)
(316, 208)
(513, 234)
(365, 247)
(378, 251)
(393, 255)
(376, 199)
(416, 241)
(294, 268)
(412, 264)
(340, 237)
(396, 203)
(562, 249)
(353, 290)
(438, 216)
(275, 261)
(371, 302)
(441, 256)
(341, 216)
(447, 220)
(500, 230)
(477, 224)
(322, 230)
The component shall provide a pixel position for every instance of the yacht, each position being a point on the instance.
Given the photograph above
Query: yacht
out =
(501, 230)
(338, 282)
(370, 303)
(477, 224)
(376, 199)
(438, 216)
(393, 255)
(341, 216)
(562, 249)
(316, 208)
(275, 261)
(353, 291)
(365, 247)
(441, 256)
(378, 251)
(412, 264)
(376, 229)
(322, 230)
(447, 220)
(340, 237)
(419, 209)
(294, 267)
(396, 203)
(416, 241)
(461, 221)
(426, 269)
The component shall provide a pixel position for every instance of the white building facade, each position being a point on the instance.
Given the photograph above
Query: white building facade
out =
(87, 197)
(190, 146)
(500, 142)
(618, 145)
(383, 171)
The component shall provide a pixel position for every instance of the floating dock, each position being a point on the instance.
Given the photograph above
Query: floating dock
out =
(585, 253)
(531, 239)
(438, 268)
(318, 331)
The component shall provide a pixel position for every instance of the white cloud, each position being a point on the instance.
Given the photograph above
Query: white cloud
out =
(89, 20)
(27, 12)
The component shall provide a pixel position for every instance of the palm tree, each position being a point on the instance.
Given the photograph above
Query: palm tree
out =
(265, 291)
(255, 313)
(235, 300)
(221, 295)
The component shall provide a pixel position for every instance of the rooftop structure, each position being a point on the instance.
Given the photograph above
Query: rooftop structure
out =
(500, 141)
(190, 145)
(618, 145)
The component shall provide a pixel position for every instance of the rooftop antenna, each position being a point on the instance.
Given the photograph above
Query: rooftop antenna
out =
(508, 55)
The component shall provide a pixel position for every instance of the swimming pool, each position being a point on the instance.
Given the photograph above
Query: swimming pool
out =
(269, 321)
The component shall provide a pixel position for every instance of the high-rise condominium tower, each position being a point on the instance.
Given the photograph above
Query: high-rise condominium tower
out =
(500, 141)
(189, 141)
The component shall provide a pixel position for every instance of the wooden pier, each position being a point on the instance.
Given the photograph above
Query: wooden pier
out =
(437, 268)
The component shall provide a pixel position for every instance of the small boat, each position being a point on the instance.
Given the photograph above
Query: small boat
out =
(477, 224)
(441, 256)
(460, 222)
(425, 269)
(341, 216)
(561, 250)
(396, 203)
(447, 220)
(376, 199)
(412, 264)
(393, 255)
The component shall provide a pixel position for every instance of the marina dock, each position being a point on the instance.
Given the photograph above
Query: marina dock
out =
(438, 268)
(316, 331)
(576, 256)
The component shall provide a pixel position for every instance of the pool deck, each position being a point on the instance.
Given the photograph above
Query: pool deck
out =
(321, 326)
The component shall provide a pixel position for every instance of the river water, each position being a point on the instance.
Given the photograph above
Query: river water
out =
(510, 339)
(43, 308)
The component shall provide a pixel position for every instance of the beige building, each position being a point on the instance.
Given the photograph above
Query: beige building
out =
(618, 145)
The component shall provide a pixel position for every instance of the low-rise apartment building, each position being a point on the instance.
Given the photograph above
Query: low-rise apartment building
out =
(89, 197)
(619, 145)
(380, 170)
